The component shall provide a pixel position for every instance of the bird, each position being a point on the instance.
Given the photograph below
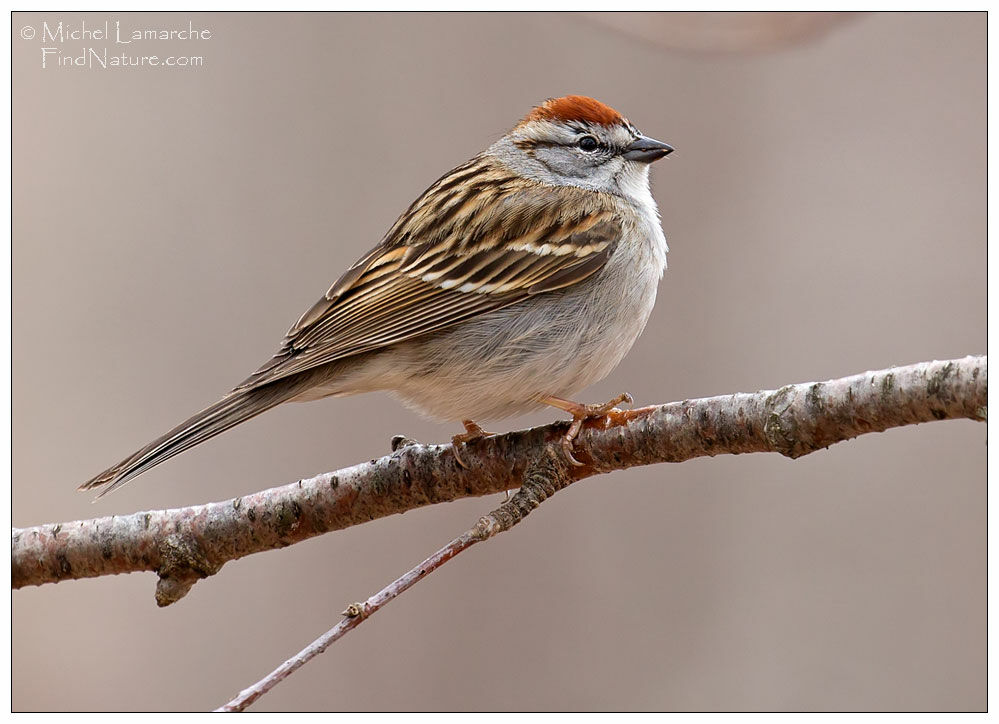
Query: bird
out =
(514, 281)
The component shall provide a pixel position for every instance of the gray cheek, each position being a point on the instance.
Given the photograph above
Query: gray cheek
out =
(558, 161)
(606, 176)
(615, 167)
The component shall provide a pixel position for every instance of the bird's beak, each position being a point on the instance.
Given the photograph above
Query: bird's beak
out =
(647, 150)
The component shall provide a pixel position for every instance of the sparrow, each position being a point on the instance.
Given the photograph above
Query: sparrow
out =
(514, 281)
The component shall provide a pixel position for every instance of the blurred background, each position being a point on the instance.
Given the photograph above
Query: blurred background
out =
(826, 213)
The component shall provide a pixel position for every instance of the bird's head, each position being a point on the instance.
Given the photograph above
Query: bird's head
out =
(579, 141)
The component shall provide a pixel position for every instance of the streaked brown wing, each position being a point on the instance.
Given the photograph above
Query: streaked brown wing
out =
(453, 256)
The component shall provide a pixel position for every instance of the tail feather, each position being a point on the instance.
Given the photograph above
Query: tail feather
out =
(236, 407)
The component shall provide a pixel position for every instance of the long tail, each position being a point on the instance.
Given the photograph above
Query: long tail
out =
(236, 407)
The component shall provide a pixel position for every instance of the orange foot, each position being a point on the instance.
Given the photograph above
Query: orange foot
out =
(472, 432)
(580, 413)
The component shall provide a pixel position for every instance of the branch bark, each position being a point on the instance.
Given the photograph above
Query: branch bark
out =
(186, 544)
(545, 476)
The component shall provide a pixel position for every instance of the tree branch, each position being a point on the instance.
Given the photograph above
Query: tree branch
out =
(186, 544)
(544, 477)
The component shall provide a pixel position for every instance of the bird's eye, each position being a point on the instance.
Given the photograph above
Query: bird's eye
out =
(588, 143)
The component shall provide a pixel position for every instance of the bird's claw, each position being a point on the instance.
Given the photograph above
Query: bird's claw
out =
(580, 413)
(472, 432)
(567, 450)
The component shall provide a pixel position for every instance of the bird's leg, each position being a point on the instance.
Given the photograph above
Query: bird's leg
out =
(472, 432)
(581, 413)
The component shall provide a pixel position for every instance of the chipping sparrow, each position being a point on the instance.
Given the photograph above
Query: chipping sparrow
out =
(514, 281)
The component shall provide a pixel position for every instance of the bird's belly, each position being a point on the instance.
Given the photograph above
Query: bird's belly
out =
(501, 363)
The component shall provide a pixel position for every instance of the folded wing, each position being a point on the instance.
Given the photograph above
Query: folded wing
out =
(463, 249)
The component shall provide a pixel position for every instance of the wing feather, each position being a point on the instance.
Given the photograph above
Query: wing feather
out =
(489, 248)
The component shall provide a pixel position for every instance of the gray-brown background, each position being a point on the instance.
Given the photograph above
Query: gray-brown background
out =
(826, 214)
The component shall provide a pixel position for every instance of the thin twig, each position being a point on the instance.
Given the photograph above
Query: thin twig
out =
(185, 545)
(544, 478)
